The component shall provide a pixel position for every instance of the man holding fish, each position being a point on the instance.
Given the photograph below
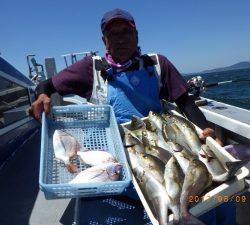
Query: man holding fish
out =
(131, 82)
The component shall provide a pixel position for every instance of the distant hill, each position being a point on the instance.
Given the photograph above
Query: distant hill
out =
(240, 65)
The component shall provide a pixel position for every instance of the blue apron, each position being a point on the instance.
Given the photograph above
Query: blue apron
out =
(133, 93)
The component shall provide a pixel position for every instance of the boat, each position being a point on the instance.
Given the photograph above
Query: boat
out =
(22, 202)
(16, 94)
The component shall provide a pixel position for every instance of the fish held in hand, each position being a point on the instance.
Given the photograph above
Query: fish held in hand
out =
(214, 166)
(65, 149)
(102, 173)
(219, 172)
(94, 158)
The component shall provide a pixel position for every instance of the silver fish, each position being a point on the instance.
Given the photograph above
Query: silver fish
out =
(182, 131)
(155, 147)
(155, 194)
(152, 189)
(101, 173)
(173, 182)
(219, 172)
(133, 143)
(177, 131)
(148, 162)
(151, 135)
(65, 149)
(153, 165)
(136, 127)
(197, 179)
(155, 122)
(94, 158)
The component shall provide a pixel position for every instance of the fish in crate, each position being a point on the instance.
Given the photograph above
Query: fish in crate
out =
(189, 166)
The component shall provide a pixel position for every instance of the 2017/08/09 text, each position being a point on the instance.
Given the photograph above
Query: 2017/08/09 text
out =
(219, 198)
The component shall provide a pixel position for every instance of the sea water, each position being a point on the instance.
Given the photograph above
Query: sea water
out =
(235, 93)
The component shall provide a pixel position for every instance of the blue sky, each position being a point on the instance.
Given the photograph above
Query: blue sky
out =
(194, 34)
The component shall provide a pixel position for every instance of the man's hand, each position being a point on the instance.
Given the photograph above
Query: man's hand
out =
(209, 132)
(41, 104)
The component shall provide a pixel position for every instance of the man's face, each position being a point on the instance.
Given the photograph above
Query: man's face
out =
(120, 40)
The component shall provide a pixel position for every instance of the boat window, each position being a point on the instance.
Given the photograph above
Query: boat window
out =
(14, 101)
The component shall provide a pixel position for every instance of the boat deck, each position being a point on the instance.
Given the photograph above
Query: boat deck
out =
(230, 117)
(22, 203)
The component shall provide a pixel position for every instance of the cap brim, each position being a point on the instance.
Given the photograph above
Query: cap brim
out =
(109, 23)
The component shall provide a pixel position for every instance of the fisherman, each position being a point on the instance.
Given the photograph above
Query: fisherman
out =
(131, 82)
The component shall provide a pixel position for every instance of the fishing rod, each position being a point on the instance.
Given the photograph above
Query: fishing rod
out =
(197, 84)
(225, 82)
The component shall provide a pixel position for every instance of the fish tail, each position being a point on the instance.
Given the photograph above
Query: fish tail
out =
(136, 123)
(233, 167)
(189, 219)
(177, 222)
(163, 222)
(176, 215)
(163, 218)
(162, 214)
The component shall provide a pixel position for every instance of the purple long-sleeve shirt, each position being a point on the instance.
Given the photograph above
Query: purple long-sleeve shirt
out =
(78, 79)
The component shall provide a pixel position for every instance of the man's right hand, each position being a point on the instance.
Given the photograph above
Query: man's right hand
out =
(41, 104)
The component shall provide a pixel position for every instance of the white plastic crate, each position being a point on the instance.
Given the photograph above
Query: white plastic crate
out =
(95, 128)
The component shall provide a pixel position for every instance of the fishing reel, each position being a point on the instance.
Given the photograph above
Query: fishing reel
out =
(196, 86)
